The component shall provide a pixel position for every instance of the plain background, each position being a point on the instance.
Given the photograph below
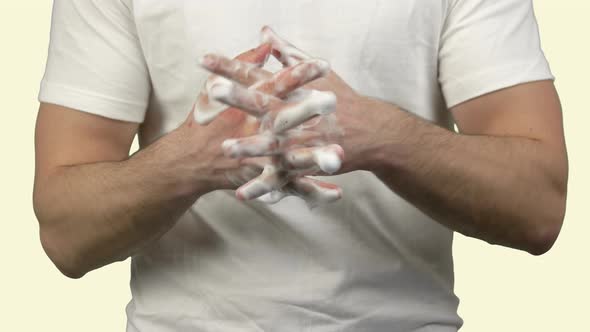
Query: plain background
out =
(500, 289)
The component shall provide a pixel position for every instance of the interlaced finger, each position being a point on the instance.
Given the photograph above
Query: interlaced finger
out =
(328, 158)
(290, 79)
(291, 115)
(242, 72)
(252, 102)
(284, 51)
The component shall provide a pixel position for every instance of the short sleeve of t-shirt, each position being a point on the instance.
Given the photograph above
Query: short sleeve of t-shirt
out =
(95, 62)
(487, 45)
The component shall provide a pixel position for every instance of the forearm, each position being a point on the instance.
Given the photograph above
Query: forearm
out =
(95, 214)
(503, 190)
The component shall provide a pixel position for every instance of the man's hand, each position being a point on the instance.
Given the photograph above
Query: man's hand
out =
(203, 144)
(479, 183)
(96, 205)
(356, 123)
(287, 147)
(264, 100)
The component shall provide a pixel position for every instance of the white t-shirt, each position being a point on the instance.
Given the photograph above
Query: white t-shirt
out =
(370, 262)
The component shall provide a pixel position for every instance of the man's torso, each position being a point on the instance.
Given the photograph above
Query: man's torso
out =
(370, 262)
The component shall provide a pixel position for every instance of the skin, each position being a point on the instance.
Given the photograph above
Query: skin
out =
(262, 95)
(502, 180)
(96, 205)
(479, 182)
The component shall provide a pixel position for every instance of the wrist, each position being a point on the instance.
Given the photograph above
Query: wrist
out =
(171, 166)
(369, 138)
(400, 140)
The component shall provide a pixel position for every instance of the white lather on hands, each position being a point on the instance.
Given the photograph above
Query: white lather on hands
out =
(294, 123)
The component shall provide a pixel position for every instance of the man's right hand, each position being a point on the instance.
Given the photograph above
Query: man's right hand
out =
(96, 205)
(195, 150)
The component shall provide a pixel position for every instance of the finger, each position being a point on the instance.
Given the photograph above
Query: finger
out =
(314, 132)
(245, 73)
(286, 116)
(258, 55)
(271, 179)
(316, 191)
(254, 146)
(297, 154)
(273, 197)
(284, 51)
(328, 126)
(243, 174)
(292, 138)
(251, 101)
(291, 78)
(293, 114)
(327, 158)
(259, 162)
(206, 110)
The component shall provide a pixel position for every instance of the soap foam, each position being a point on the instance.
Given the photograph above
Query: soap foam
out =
(290, 123)
(258, 145)
(316, 103)
(329, 159)
(207, 109)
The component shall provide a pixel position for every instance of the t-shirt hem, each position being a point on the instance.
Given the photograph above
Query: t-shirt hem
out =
(90, 102)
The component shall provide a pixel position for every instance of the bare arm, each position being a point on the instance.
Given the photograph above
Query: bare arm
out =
(503, 179)
(96, 205)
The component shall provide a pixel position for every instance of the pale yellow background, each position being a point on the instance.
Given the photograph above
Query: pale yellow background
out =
(500, 289)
